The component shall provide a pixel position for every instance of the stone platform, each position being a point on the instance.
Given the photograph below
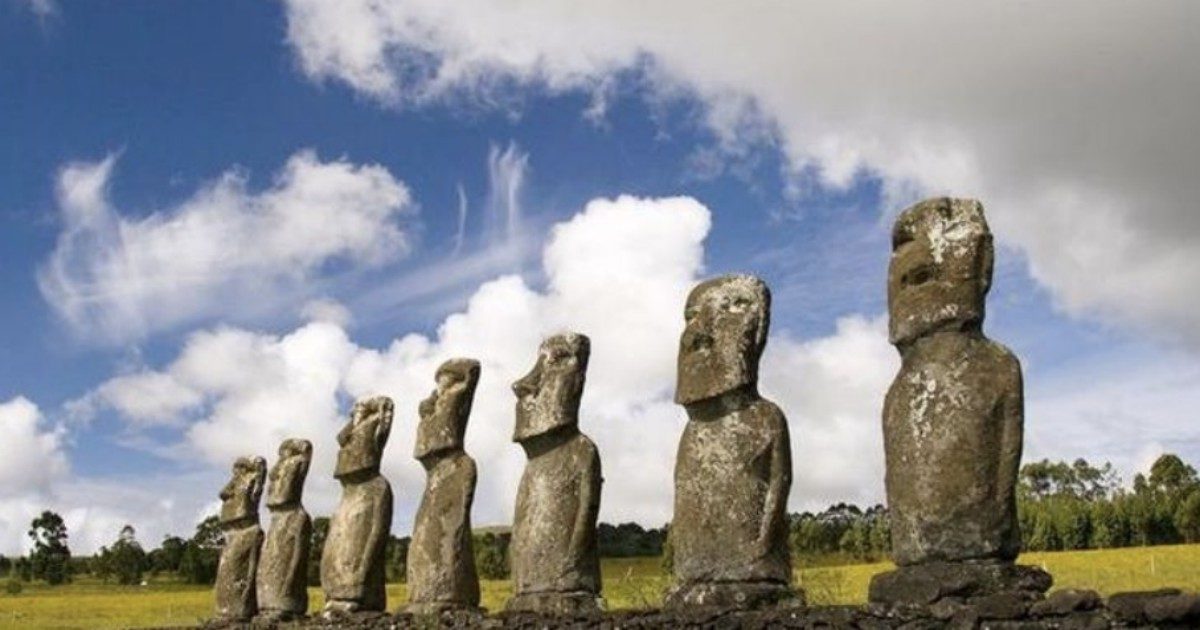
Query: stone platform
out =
(1065, 609)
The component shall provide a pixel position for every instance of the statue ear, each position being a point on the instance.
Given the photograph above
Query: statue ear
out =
(986, 259)
(256, 488)
(383, 429)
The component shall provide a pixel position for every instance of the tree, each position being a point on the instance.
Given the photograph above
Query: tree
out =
(1168, 474)
(395, 563)
(51, 556)
(491, 556)
(320, 530)
(1187, 518)
(198, 563)
(167, 557)
(126, 559)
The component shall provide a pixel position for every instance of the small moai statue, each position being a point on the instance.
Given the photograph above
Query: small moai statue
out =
(952, 419)
(283, 568)
(733, 470)
(441, 559)
(554, 554)
(352, 563)
(238, 565)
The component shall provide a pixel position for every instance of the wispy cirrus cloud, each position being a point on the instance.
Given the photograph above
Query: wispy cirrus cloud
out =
(1071, 121)
(115, 276)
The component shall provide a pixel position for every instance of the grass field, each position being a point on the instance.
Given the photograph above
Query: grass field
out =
(628, 583)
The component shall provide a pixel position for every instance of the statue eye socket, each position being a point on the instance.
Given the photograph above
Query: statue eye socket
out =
(918, 276)
(738, 305)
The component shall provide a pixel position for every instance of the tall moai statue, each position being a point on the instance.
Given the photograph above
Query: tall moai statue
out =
(733, 470)
(441, 560)
(238, 565)
(352, 563)
(953, 417)
(283, 568)
(554, 554)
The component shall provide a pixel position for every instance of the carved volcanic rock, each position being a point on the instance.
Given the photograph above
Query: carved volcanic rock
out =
(734, 467)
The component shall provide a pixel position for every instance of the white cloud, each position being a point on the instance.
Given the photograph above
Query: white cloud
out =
(35, 476)
(1071, 121)
(42, 9)
(618, 271)
(504, 243)
(31, 457)
(1126, 410)
(226, 249)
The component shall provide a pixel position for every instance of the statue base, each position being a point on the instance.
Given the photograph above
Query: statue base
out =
(277, 615)
(924, 586)
(732, 596)
(426, 609)
(570, 603)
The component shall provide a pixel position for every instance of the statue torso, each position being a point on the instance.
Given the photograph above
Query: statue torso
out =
(548, 554)
(722, 480)
(952, 438)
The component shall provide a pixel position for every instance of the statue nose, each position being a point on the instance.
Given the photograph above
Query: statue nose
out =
(696, 340)
(526, 386)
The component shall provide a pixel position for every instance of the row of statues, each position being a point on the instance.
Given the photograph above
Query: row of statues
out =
(952, 425)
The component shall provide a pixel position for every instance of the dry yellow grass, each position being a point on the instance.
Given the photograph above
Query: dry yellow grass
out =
(628, 583)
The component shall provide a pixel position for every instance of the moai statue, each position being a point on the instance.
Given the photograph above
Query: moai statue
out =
(239, 524)
(952, 419)
(283, 568)
(555, 559)
(734, 467)
(352, 563)
(441, 560)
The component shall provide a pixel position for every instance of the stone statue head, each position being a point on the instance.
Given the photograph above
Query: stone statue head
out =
(548, 396)
(941, 269)
(445, 412)
(239, 497)
(727, 321)
(363, 438)
(286, 481)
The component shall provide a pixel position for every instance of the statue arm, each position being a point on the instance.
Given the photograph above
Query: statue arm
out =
(1012, 418)
(297, 566)
(779, 483)
(589, 502)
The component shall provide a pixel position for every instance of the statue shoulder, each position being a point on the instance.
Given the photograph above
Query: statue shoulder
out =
(1005, 360)
(466, 464)
(770, 415)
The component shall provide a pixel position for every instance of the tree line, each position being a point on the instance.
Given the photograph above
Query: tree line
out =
(1061, 506)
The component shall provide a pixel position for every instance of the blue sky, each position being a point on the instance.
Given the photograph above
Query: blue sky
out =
(176, 291)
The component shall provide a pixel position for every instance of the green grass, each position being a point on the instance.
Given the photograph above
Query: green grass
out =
(628, 583)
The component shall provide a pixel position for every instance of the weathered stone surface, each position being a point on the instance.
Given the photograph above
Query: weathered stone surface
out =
(441, 562)
(554, 555)
(954, 416)
(283, 569)
(733, 470)
(1130, 607)
(238, 564)
(352, 572)
(1065, 601)
(924, 584)
(1183, 608)
(964, 616)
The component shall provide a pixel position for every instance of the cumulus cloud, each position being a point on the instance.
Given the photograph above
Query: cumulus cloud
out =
(1071, 121)
(618, 271)
(35, 476)
(31, 456)
(226, 248)
(1127, 411)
